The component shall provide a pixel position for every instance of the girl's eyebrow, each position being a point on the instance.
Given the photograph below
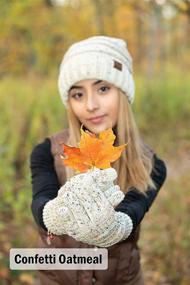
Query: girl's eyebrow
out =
(76, 86)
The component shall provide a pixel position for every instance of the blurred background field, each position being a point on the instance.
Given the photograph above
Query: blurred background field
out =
(33, 38)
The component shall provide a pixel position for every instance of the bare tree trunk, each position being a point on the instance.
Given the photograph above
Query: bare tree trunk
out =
(48, 3)
(99, 16)
(140, 15)
(105, 10)
(154, 44)
(110, 8)
(185, 9)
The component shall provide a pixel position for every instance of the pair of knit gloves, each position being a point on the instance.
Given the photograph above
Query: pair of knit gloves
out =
(84, 209)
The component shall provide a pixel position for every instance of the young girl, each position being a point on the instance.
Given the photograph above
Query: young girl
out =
(88, 210)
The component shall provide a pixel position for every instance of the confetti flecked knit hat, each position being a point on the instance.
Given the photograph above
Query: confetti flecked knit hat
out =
(98, 57)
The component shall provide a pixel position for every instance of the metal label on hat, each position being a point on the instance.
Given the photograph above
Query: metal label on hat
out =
(117, 65)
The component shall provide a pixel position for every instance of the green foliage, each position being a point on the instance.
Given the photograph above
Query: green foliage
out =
(30, 111)
(162, 110)
(34, 36)
(164, 98)
(165, 236)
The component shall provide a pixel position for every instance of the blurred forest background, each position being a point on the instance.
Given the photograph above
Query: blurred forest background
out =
(34, 35)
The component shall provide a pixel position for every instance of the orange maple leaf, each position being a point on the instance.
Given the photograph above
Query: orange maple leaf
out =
(93, 151)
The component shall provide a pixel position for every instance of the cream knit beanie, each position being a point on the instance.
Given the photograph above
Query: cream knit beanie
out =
(98, 57)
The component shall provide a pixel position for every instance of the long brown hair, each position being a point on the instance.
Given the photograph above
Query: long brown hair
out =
(136, 161)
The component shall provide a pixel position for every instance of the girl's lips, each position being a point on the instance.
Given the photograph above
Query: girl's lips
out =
(97, 120)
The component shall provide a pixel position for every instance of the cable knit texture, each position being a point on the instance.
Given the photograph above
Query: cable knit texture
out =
(98, 57)
(84, 209)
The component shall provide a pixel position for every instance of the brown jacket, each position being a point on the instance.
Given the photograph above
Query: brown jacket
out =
(123, 258)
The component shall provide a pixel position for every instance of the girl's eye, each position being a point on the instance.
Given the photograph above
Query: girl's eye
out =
(104, 89)
(76, 94)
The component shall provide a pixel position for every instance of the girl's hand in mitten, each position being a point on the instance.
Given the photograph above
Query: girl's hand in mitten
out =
(106, 236)
(86, 213)
(103, 228)
(52, 218)
(59, 214)
(103, 180)
(87, 204)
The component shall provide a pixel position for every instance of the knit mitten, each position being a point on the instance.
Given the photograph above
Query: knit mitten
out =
(84, 209)
(55, 212)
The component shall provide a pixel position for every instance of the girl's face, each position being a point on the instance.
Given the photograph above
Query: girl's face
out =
(93, 98)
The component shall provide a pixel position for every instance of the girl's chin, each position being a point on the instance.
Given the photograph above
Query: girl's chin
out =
(98, 128)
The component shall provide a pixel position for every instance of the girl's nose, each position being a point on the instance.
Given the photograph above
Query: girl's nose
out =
(91, 102)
